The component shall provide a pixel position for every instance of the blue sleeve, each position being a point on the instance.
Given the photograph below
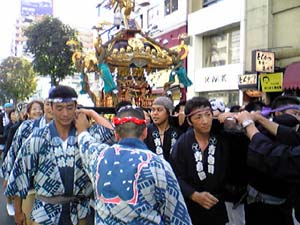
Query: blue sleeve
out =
(24, 168)
(174, 209)
(102, 134)
(20, 136)
(90, 150)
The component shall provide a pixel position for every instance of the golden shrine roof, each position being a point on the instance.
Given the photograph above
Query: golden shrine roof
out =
(132, 48)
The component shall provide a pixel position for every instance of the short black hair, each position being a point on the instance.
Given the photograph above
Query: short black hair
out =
(284, 100)
(196, 102)
(121, 104)
(62, 91)
(254, 106)
(235, 108)
(130, 129)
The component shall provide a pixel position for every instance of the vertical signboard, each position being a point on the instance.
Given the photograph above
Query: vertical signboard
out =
(263, 61)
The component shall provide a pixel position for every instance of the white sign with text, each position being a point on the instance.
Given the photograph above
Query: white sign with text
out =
(218, 78)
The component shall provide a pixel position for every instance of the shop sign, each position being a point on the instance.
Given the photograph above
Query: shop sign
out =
(264, 61)
(248, 80)
(271, 82)
(217, 78)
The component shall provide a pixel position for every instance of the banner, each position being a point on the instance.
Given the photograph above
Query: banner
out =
(271, 82)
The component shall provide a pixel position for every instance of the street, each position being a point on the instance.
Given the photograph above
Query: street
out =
(5, 219)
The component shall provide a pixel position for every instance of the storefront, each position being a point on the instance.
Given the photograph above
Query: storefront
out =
(219, 82)
(248, 84)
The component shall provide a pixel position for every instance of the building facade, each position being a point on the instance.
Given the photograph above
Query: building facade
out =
(30, 11)
(235, 43)
(272, 27)
(215, 59)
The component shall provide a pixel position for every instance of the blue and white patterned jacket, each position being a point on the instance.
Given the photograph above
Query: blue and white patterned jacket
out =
(41, 157)
(131, 184)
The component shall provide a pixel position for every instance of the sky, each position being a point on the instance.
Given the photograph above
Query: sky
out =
(76, 13)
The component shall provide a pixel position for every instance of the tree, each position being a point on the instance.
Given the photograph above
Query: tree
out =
(47, 43)
(18, 80)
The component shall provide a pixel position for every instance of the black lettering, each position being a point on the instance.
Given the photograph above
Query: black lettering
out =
(224, 78)
(214, 79)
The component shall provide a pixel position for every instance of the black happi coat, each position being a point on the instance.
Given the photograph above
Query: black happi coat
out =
(184, 165)
(170, 135)
(270, 181)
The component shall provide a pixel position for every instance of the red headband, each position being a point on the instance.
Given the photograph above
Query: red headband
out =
(120, 121)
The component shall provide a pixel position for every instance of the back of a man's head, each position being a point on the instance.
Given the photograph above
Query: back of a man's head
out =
(122, 104)
(130, 122)
(255, 106)
(284, 100)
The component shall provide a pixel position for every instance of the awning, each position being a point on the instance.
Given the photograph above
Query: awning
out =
(291, 79)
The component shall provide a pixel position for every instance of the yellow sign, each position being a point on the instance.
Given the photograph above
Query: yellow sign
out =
(271, 82)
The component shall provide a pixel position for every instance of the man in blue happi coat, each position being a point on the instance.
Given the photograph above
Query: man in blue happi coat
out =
(132, 185)
(51, 157)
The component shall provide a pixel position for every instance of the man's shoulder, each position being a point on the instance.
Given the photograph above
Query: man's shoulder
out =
(40, 132)
(187, 135)
(25, 124)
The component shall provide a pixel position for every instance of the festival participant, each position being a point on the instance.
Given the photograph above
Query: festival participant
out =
(132, 185)
(34, 110)
(51, 157)
(162, 135)
(274, 153)
(199, 160)
(4, 120)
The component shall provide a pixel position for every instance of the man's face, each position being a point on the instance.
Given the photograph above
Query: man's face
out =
(64, 112)
(159, 114)
(202, 120)
(48, 110)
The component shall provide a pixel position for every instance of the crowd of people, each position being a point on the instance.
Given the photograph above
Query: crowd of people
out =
(194, 163)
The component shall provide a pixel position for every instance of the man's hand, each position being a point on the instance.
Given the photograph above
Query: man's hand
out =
(20, 217)
(223, 116)
(205, 199)
(81, 121)
(250, 129)
(242, 116)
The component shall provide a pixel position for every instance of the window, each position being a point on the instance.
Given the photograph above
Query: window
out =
(209, 2)
(153, 14)
(229, 98)
(222, 48)
(170, 6)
